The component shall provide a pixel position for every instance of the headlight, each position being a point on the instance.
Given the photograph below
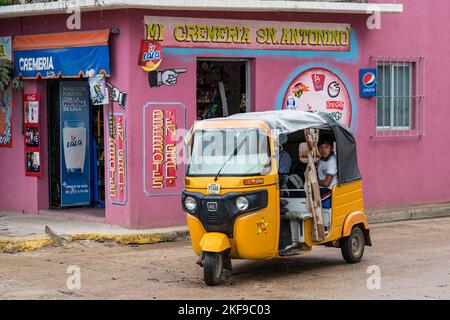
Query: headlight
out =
(242, 203)
(190, 203)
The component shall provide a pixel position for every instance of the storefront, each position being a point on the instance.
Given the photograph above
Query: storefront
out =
(75, 144)
(168, 69)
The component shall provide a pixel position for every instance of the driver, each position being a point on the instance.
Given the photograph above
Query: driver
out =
(285, 160)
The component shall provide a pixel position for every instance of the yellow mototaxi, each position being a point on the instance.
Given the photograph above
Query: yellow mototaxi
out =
(238, 205)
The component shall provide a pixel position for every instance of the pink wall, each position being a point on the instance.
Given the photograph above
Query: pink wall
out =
(12, 173)
(392, 169)
(415, 170)
(395, 171)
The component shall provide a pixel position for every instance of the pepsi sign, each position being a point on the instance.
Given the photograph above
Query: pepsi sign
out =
(367, 83)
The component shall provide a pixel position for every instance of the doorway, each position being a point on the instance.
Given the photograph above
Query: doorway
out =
(75, 145)
(223, 87)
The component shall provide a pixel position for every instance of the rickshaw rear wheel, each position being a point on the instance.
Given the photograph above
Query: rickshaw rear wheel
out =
(213, 268)
(352, 247)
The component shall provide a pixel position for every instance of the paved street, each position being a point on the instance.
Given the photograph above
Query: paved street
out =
(413, 256)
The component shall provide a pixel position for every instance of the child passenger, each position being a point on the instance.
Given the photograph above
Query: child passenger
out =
(327, 164)
(326, 170)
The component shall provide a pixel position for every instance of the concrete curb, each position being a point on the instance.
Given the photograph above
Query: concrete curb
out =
(408, 213)
(139, 238)
(23, 244)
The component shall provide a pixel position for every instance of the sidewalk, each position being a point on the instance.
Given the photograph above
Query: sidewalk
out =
(23, 232)
(425, 211)
(26, 232)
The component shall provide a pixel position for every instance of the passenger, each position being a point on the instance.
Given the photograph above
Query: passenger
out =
(326, 169)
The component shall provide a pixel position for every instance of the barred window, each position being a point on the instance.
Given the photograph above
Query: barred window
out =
(400, 97)
(394, 96)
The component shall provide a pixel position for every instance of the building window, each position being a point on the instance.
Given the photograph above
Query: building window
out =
(394, 96)
(400, 98)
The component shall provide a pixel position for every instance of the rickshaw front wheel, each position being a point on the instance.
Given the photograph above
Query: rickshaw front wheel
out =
(213, 268)
(352, 247)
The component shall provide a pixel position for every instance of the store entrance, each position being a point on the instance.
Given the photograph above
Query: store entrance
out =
(76, 146)
(222, 87)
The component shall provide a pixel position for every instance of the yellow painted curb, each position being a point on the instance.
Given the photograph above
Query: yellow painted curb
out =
(145, 238)
(13, 245)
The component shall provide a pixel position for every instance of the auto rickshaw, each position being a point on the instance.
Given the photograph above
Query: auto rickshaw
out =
(236, 201)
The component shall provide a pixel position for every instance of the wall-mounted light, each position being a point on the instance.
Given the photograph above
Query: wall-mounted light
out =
(114, 31)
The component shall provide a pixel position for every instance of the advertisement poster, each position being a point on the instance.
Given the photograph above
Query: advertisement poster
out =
(32, 146)
(319, 89)
(33, 165)
(5, 99)
(31, 109)
(163, 148)
(98, 90)
(75, 150)
(32, 137)
(116, 158)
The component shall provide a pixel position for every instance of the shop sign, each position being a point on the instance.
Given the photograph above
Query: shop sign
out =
(367, 83)
(116, 158)
(5, 99)
(75, 146)
(150, 55)
(247, 34)
(67, 62)
(163, 157)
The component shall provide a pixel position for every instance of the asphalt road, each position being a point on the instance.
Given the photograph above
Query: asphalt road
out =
(413, 259)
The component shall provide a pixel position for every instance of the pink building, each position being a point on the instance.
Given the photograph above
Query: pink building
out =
(208, 62)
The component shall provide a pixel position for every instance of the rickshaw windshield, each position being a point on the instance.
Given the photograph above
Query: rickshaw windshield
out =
(233, 152)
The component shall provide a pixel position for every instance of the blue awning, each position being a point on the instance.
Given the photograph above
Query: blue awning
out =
(67, 55)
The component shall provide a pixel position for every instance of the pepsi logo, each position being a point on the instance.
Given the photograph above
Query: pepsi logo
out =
(369, 79)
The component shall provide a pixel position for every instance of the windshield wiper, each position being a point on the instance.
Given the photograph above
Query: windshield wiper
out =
(235, 151)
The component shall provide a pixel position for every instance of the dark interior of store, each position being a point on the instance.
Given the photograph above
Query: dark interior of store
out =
(221, 88)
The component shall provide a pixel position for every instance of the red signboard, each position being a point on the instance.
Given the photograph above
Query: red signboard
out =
(116, 159)
(150, 55)
(335, 105)
(318, 81)
(163, 148)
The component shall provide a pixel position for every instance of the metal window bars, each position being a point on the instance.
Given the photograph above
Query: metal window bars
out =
(400, 98)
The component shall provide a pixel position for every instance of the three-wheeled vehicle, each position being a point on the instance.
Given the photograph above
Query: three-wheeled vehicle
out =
(238, 204)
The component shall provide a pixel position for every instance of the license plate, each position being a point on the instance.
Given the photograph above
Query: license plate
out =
(213, 188)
